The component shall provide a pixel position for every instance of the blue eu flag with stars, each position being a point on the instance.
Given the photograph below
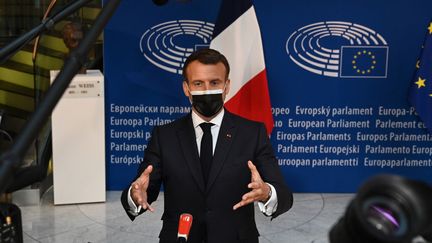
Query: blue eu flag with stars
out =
(364, 61)
(420, 94)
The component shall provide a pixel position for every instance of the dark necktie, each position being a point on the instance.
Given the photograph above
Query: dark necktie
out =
(206, 151)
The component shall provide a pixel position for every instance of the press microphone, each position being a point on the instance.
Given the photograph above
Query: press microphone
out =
(185, 224)
(160, 2)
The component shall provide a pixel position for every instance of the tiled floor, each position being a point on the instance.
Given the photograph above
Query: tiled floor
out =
(308, 221)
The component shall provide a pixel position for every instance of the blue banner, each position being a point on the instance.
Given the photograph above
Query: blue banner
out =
(421, 91)
(338, 72)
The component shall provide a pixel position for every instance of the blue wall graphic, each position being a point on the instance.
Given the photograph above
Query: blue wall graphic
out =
(338, 71)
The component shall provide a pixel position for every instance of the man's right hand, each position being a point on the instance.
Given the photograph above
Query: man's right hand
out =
(139, 189)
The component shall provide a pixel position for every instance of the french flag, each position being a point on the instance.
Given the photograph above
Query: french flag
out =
(237, 35)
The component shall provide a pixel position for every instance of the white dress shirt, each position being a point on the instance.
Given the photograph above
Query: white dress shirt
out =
(267, 208)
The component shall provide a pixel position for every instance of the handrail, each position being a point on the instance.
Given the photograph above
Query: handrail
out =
(36, 95)
(12, 48)
(36, 45)
(11, 160)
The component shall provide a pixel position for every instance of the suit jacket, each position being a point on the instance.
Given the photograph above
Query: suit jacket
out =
(173, 153)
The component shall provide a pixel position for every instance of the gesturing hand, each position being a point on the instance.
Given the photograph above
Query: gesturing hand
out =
(260, 190)
(139, 189)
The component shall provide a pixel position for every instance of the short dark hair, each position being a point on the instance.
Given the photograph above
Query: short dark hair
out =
(206, 56)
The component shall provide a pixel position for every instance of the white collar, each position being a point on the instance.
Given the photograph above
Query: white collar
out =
(217, 120)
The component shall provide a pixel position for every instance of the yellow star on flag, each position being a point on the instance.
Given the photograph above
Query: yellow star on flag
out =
(430, 28)
(420, 82)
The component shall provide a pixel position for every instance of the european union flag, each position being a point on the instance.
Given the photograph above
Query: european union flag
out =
(364, 61)
(420, 94)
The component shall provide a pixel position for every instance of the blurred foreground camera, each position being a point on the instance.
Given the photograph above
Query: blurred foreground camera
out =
(386, 209)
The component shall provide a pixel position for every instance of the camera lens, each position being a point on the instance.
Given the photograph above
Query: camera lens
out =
(386, 209)
(385, 216)
(382, 219)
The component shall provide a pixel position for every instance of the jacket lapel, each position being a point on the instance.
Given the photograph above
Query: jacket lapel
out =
(187, 140)
(223, 145)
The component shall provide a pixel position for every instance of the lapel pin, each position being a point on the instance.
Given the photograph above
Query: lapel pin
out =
(228, 135)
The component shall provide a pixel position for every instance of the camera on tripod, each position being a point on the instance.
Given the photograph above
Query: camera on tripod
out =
(386, 209)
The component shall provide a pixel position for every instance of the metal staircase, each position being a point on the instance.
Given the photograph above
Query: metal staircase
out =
(25, 77)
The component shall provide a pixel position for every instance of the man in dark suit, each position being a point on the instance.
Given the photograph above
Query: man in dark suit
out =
(213, 164)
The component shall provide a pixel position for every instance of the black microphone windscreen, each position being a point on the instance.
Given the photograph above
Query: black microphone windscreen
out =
(160, 2)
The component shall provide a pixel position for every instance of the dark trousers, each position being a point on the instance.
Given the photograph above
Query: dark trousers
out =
(255, 240)
(200, 236)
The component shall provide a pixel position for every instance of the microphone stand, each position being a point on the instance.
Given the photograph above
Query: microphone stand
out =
(46, 24)
(11, 159)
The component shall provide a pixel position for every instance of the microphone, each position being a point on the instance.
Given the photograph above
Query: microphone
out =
(160, 2)
(185, 225)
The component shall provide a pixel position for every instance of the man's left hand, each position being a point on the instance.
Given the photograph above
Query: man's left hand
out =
(259, 189)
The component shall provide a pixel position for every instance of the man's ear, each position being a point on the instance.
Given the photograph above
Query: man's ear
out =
(185, 88)
(227, 86)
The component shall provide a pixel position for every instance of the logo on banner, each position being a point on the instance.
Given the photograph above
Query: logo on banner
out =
(339, 49)
(168, 44)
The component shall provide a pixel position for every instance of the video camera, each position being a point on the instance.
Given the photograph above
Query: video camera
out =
(386, 209)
